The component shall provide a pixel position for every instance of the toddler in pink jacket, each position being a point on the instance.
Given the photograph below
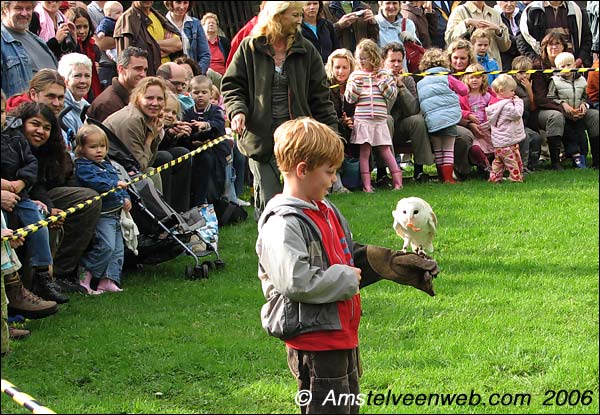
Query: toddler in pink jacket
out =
(505, 114)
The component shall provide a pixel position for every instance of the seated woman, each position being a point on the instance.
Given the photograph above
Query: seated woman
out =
(139, 124)
(76, 68)
(19, 173)
(339, 66)
(57, 189)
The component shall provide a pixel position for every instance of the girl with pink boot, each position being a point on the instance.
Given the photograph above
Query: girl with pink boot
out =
(103, 261)
(371, 87)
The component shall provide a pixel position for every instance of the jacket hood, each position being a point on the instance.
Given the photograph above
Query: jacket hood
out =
(281, 205)
(16, 100)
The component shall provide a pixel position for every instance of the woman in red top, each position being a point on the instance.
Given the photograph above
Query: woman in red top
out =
(219, 45)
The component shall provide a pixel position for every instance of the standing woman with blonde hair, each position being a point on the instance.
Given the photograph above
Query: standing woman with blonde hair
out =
(276, 75)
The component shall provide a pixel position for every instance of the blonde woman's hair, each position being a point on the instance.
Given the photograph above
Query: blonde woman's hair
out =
(141, 88)
(209, 15)
(480, 34)
(564, 58)
(522, 63)
(503, 83)
(307, 140)
(433, 58)
(461, 44)
(339, 54)
(484, 79)
(373, 52)
(83, 135)
(269, 20)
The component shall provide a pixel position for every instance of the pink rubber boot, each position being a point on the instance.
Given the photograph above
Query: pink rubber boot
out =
(106, 284)
(85, 283)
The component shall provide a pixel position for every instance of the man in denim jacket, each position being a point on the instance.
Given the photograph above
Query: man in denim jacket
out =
(19, 45)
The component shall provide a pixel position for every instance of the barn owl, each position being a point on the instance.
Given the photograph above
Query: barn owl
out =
(416, 223)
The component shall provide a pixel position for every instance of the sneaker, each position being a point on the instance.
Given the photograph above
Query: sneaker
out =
(579, 162)
(17, 334)
(67, 286)
(422, 178)
(241, 202)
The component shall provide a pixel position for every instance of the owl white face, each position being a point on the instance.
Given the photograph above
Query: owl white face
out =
(412, 210)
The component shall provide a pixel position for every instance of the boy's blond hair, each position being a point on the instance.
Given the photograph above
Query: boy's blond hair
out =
(84, 133)
(564, 58)
(307, 140)
(522, 63)
(484, 79)
(480, 34)
(503, 83)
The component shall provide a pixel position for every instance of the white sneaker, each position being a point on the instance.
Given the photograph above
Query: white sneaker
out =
(241, 202)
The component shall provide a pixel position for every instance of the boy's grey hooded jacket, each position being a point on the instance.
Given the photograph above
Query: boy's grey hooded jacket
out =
(300, 286)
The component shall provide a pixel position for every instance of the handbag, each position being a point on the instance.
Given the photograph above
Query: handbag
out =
(414, 51)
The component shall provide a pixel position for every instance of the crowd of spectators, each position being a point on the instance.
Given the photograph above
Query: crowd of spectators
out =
(165, 84)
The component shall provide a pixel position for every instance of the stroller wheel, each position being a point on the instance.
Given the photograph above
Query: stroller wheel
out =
(201, 271)
(219, 263)
(211, 265)
(189, 272)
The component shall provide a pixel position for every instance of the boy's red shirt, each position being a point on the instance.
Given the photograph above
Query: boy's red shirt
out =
(338, 252)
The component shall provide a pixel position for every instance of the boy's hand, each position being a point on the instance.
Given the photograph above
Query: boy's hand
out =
(41, 205)
(127, 205)
(60, 222)
(14, 243)
(526, 82)
(122, 184)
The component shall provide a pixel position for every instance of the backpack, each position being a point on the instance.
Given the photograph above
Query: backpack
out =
(414, 52)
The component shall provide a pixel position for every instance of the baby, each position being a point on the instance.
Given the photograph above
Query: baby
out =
(112, 11)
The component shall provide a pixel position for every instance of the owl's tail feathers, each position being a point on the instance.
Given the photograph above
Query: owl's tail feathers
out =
(378, 263)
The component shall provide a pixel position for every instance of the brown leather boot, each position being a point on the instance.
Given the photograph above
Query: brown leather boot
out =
(24, 302)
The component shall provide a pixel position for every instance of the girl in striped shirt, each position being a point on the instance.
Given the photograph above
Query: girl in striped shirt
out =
(370, 87)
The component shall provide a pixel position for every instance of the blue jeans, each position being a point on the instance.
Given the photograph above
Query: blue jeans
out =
(105, 256)
(36, 243)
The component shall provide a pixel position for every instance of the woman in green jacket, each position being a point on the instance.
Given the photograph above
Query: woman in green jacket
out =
(275, 75)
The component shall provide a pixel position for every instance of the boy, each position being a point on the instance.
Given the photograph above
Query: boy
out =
(311, 270)
(112, 11)
(481, 43)
(568, 90)
(207, 122)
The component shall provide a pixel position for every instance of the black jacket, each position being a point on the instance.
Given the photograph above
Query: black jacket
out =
(325, 41)
(18, 163)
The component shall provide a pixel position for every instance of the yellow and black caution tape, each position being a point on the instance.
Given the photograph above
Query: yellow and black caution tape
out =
(24, 399)
(498, 72)
(34, 227)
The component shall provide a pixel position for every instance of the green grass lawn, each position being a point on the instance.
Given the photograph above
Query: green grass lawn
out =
(516, 314)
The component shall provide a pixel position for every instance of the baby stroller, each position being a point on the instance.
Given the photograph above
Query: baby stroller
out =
(164, 233)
